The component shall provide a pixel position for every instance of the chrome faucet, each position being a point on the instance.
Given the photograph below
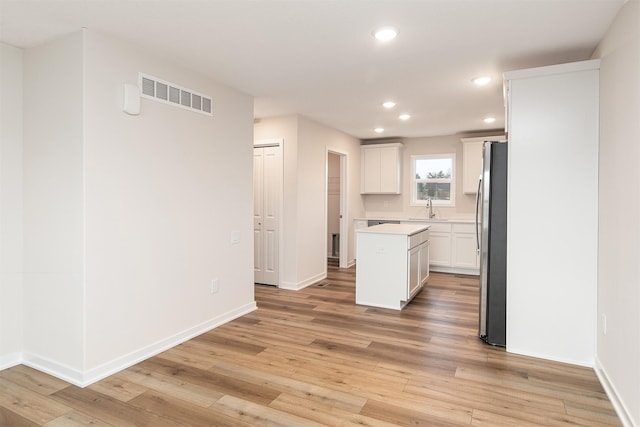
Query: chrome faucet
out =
(430, 204)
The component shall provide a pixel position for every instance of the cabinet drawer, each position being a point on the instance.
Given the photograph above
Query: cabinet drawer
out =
(418, 238)
(464, 228)
(440, 227)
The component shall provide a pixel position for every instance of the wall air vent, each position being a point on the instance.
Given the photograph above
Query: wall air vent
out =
(173, 94)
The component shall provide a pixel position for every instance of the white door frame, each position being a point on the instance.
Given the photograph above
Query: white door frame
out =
(344, 206)
(277, 142)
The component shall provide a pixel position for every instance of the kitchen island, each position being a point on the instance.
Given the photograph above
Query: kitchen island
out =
(392, 264)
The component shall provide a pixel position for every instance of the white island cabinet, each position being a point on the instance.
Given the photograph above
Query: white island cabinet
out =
(393, 264)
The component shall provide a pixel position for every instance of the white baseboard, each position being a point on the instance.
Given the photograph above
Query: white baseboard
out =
(614, 397)
(293, 286)
(11, 359)
(584, 363)
(454, 270)
(83, 379)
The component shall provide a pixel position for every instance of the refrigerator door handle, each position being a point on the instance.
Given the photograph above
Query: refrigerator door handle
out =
(477, 213)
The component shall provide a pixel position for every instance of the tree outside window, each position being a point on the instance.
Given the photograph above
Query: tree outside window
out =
(433, 178)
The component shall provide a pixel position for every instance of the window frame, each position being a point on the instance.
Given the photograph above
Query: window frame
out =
(414, 181)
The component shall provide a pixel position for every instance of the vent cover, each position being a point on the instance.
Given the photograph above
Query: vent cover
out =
(173, 94)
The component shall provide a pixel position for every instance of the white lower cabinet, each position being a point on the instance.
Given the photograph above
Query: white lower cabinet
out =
(440, 250)
(452, 247)
(464, 251)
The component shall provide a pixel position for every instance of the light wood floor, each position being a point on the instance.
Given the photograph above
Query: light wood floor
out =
(315, 358)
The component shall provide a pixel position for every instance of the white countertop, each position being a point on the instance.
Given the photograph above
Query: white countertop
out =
(420, 220)
(402, 229)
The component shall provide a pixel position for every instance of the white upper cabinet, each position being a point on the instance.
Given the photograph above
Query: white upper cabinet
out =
(472, 161)
(380, 168)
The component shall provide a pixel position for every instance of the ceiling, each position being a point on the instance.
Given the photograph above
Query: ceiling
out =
(318, 57)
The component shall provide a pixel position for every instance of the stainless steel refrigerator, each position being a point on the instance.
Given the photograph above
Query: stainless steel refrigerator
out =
(491, 238)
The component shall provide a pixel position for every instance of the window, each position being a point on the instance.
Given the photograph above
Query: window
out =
(433, 177)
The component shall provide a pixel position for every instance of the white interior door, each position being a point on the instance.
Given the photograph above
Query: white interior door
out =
(266, 203)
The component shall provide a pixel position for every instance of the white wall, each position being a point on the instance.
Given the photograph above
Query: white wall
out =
(127, 219)
(305, 144)
(285, 128)
(10, 206)
(53, 205)
(552, 212)
(164, 191)
(618, 351)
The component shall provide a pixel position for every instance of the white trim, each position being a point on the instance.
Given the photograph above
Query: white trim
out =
(83, 379)
(586, 364)
(621, 410)
(454, 270)
(499, 138)
(293, 286)
(452, 195)
(11, 359)
(592, 64)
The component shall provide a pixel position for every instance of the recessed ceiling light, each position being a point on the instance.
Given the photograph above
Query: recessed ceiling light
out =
(385, 34)
(404, 116)
(489, 120)
(389, 104)
(378, 130)
(481, 81)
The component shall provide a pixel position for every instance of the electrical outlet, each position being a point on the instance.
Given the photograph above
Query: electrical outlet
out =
(215, 286)
(235, 237)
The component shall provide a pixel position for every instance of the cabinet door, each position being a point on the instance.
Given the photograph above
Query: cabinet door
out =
(371, 170)
(414, 272)
(389, 170)
(440, 248)
(424, 262)
(465, 254)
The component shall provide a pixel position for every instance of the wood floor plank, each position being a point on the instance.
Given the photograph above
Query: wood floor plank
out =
(10, 418)
(257, 415)
(29, 404)
(175, 387)
(310, 392)
(118, 388)
(33, 380)
(406, 417)
(108, 409)
(211, 380)
(323, 414)
(182, 412)
(77, 419)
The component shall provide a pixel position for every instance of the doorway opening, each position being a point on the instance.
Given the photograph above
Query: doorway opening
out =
(336, 215)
